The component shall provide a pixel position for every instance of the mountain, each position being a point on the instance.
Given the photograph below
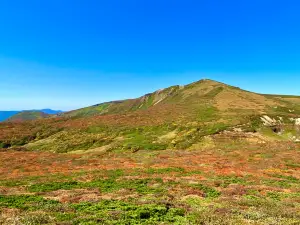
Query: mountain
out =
(28, 115)
(200, 97)
(5, 115)
(178, 117)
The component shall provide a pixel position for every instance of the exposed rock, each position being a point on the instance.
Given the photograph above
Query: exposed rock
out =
(268, 121)
(236, 129)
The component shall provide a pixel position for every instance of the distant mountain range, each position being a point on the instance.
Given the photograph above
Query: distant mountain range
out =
(5, 115)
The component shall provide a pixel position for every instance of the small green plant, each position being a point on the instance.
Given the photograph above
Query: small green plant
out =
(209, 192)
(164, 170)
(227, 180)
(293, 165)
(4, 144)
(47, 187)
(274, 195)
(129, 213)
(104, 185)
(277, 183)
(288, 178)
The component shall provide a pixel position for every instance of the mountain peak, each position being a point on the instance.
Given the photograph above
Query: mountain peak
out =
(208, 82)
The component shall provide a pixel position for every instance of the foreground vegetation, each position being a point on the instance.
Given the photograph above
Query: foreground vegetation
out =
(232, 183)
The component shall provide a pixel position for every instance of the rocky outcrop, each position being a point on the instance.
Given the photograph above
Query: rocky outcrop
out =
(267, 121)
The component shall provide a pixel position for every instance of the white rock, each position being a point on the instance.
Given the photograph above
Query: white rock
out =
(237, 129)
(268, 121)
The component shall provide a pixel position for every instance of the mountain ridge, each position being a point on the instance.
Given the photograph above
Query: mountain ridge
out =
(230, 94)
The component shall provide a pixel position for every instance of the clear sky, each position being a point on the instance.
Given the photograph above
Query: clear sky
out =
(65, 54)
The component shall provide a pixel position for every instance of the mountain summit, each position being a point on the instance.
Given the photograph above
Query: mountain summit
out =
(195, 98)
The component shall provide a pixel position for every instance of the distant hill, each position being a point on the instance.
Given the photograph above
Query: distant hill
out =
(5, 115)
(28, 115)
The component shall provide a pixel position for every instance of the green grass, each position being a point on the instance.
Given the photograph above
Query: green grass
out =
(192, 135)
(107, 211)
(207, 113)
(213, 93)
(225, 181)
(70, 140)
(293, 165)
(118, 212)
(147, 103)
(164, 170)
(105, 186)
(141, 138)
(26, 202)
(4, 145)
(287, 178)
(89, 111)
(209, 192)
(277, 183)
(155, 201)
(268, 132)
(12, 183)
(286, 110)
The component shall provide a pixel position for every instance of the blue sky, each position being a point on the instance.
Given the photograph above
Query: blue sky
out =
(66, 54)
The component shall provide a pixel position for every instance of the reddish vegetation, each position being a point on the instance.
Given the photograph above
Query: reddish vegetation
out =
(15, 164)
(239, 162)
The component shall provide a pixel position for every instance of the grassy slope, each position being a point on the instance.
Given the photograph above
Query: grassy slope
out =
(124, 106)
